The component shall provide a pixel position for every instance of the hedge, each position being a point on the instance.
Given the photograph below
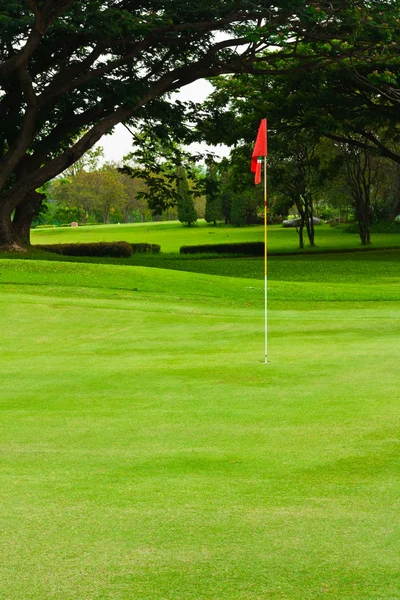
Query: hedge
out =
(99, 249)
(247, 248)
(110, 249)
(145, 248)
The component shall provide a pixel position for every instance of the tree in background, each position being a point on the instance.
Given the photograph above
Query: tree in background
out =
(134, 208)
(97, 193)
(213, 212)
(246, 199)
(295, 175)
(70, 71)
(101, 195)
(186, 210)
(88, 162)
(353, 103)
(153, 162)
(225, 191)
(362, 175)
(238, 215)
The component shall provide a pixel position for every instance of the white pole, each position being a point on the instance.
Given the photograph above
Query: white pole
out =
(265, 266)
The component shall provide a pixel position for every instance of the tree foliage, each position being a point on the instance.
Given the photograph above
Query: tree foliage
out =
(71, 70)
(186, 211)
(213, 212)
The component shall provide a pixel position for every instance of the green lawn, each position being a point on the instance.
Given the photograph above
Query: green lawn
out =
(148, 454)
(172, 235)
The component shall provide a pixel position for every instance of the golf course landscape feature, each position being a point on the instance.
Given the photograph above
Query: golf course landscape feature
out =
(148, 453)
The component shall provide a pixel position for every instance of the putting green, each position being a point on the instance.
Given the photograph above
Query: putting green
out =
(147, 453)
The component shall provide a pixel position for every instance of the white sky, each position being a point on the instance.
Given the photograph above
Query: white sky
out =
(119, 143)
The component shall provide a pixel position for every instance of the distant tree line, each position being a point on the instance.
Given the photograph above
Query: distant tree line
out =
(90, 193)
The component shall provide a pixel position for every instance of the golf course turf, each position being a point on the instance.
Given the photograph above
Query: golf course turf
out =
(147, 452)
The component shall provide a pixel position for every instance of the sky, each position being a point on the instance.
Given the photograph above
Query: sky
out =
(119, 143)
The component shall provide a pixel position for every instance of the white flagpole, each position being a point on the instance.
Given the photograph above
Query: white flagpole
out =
(265, 266)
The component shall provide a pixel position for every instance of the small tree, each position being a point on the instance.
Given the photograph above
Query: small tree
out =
(361, 177)
(186, 211)
(213, 212)
(295, 175)
(239, 209)
(225, 190)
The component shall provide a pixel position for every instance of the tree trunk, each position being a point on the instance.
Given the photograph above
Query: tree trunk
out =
(7, 234)
(362, 214)
(24, 214)
(15, 231)
(310, 230)
(364, 233)
(300, 232)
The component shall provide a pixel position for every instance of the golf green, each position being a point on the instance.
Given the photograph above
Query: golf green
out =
(148, 453)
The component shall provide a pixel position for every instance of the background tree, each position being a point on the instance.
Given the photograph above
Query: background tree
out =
(361, 175)
(71, 70)
(94, 195)
(225, 191)
(186, 210)
(213, 212)
(295, 175)
(353, 102)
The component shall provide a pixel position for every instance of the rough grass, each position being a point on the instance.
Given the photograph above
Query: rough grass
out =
(147, 453)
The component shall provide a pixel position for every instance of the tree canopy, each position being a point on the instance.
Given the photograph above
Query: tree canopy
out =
(71, 70)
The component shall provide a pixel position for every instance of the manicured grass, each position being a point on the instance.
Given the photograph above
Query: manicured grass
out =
(367, 267)
(172, 235)
(148, 453)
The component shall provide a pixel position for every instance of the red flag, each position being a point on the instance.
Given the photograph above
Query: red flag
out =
(260, 149)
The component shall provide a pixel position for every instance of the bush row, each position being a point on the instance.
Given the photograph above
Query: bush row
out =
(247, 248)
(101, 249)
(146, 248)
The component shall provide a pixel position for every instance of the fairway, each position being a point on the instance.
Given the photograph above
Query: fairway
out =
(172, 235)
(147, 452)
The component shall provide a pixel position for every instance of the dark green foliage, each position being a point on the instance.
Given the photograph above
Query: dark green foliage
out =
(110, 249)
(239, 209)
(247, 248)
(245, 205)
(186, 211)
(145, 248)
(213, 211)
(388, 227)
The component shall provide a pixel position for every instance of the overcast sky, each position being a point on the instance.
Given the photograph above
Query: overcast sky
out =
(119, 143)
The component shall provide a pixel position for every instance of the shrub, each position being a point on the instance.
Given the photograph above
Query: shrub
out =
(99, 249)
(145, 248)
(247, 248)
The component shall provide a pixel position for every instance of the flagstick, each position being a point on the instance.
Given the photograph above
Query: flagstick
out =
(265, 265)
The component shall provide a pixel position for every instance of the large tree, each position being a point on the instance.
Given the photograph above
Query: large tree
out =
(355, 100)
(71, 70)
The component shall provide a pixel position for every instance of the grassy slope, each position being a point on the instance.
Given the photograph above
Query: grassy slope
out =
(148, 453)
(171, 236)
